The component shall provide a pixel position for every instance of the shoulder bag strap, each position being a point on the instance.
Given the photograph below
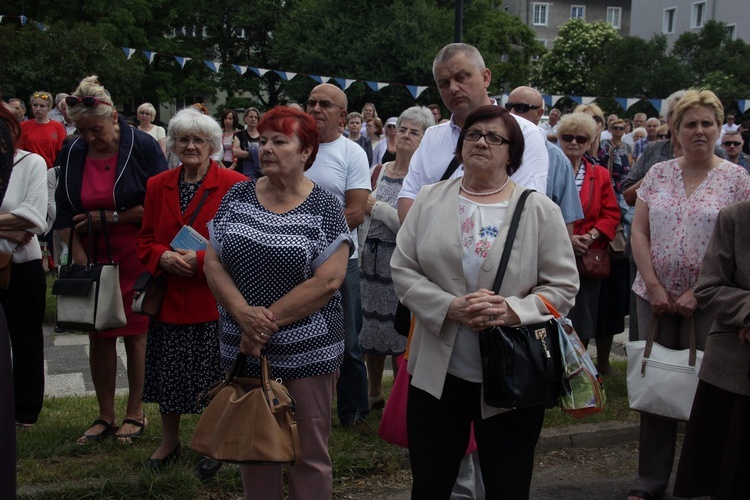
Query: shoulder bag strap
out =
(452, 166)
(509, 240)
(198, 208)
(106, 236)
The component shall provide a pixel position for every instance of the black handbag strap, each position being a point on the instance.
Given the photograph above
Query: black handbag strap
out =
(198, 208)
(452, 166)
(509, 240)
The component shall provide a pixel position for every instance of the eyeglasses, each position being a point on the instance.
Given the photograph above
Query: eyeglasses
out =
(662, 136)
(618, 128)
(88, 101)
(520, 107)
(412, 133)
(198, 142)
(473, 135)
(324, 104)
(390, 126)
(580, 139)
(732, 143)
(38, 95)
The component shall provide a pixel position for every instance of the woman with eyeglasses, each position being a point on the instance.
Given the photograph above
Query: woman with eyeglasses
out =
(675, 213)
(444, 267)
(594, 151)
(377, 241)
(103, 174)
(42, 135)
(146, 115)
(386, 150)
(182, 351)
(601, 214)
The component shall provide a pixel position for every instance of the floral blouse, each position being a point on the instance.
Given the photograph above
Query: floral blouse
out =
(681, 226)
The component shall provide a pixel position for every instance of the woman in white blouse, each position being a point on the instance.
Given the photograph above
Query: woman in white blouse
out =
(146, 116)
(23, 216)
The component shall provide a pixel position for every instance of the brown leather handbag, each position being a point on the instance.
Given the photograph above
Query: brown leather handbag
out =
(594, 263)
(248, 420)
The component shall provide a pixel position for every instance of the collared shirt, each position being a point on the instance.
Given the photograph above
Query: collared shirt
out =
(438, 147)
(561, 185)
(638, 147)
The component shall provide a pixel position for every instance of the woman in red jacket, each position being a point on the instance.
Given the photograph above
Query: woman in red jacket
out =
(601, 214)
(182, 351)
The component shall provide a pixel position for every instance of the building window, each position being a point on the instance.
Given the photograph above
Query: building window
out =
(578, 12)
(540, 14)
(613, 16)
(732, 31)
(543, 41)
(667, 25)
(698, 17)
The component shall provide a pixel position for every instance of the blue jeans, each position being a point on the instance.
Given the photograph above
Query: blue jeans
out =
(351, 388)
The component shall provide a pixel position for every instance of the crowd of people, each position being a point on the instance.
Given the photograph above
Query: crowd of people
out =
(323, 225)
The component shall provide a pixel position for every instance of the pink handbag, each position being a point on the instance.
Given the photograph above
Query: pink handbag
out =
(393, 423)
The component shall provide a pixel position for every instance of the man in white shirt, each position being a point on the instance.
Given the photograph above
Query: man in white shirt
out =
(341, 167)
(550, 128)
(462, 79)
(639, 120)
(729, 126)
(606, 134)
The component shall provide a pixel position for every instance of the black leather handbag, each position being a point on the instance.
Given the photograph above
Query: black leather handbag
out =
(521, 366)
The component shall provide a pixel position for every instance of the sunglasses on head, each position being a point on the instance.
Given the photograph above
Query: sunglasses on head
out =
(38, 95)
(520, 107)
(324, 104)
(88, 101)
(580, 139)
(732, 143)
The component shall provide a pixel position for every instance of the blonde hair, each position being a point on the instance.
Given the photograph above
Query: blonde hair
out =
(90, 87)
(591, 109)
(577, 122)
(694, 98)
(147, 106)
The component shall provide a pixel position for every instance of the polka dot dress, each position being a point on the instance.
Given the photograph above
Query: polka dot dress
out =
(268, 254)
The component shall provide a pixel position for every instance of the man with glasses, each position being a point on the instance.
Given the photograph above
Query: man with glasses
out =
(732, 144)
(462, 79)
(341, 167)
(561, 184)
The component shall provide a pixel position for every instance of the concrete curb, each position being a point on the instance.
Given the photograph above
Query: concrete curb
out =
(583, 435)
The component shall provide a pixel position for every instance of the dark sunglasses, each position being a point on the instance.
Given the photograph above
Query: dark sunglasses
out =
(732, 143)
(520, 107)
(580, 139)
(618, 128)
(311, 103)
(38, 95)
(88, 101)
(662, 136)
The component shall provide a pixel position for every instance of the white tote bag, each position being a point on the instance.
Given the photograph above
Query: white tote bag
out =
(663, 381)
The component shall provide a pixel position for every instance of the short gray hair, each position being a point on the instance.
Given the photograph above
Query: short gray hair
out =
(189, 121)
(419, 115)
(577, 122)
(672, 101)
(452, 49)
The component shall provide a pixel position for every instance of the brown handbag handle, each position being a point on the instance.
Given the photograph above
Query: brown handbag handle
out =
(652, 334)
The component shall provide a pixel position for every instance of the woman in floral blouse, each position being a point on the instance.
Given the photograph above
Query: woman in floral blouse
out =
(675, 213)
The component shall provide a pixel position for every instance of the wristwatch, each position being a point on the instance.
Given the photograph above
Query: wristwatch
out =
(115, 217)
(592, 236)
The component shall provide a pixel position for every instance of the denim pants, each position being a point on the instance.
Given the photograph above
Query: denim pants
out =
(351, 388)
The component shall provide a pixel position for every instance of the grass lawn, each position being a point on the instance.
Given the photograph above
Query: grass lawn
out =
(52, 466)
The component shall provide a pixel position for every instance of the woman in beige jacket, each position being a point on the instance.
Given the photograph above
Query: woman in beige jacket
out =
(445, 263)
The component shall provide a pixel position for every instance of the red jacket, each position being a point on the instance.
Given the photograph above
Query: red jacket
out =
(600, 208)
(186, 300)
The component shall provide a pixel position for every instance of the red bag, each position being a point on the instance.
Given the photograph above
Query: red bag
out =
(393, 423)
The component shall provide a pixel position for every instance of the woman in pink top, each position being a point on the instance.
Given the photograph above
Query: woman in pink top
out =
(675, 213)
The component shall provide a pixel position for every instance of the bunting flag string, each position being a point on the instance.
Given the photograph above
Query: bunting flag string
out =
(285, 75)
(182, 60)
(149, 56)
(213, 65)
(344, 83)
(376, 86)
(240, 69)
(128, 52)
(320, 79)
(415, 90)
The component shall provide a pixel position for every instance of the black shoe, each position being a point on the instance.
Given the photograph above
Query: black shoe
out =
(208, 467)
(155, 464)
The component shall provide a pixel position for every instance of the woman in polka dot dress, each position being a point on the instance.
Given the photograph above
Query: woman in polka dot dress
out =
(277, 257)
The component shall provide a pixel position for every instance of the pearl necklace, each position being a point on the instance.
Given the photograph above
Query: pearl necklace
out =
(488, 193)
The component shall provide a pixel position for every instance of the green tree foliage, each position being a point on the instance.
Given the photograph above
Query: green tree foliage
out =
(715, 60)
(58, 58)
(579, 48)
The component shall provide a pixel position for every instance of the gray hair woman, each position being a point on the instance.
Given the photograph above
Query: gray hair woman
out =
(103, 173)
(146, 115)
(377, 242)
(182, 352)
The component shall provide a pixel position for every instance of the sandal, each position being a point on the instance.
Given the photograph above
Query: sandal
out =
(645, 495)
(129, 438)
(109, 428)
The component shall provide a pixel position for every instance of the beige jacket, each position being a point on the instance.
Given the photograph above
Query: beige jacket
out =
(428, 273)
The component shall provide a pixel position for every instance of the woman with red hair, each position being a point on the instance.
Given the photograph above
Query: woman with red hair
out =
(276, 259)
